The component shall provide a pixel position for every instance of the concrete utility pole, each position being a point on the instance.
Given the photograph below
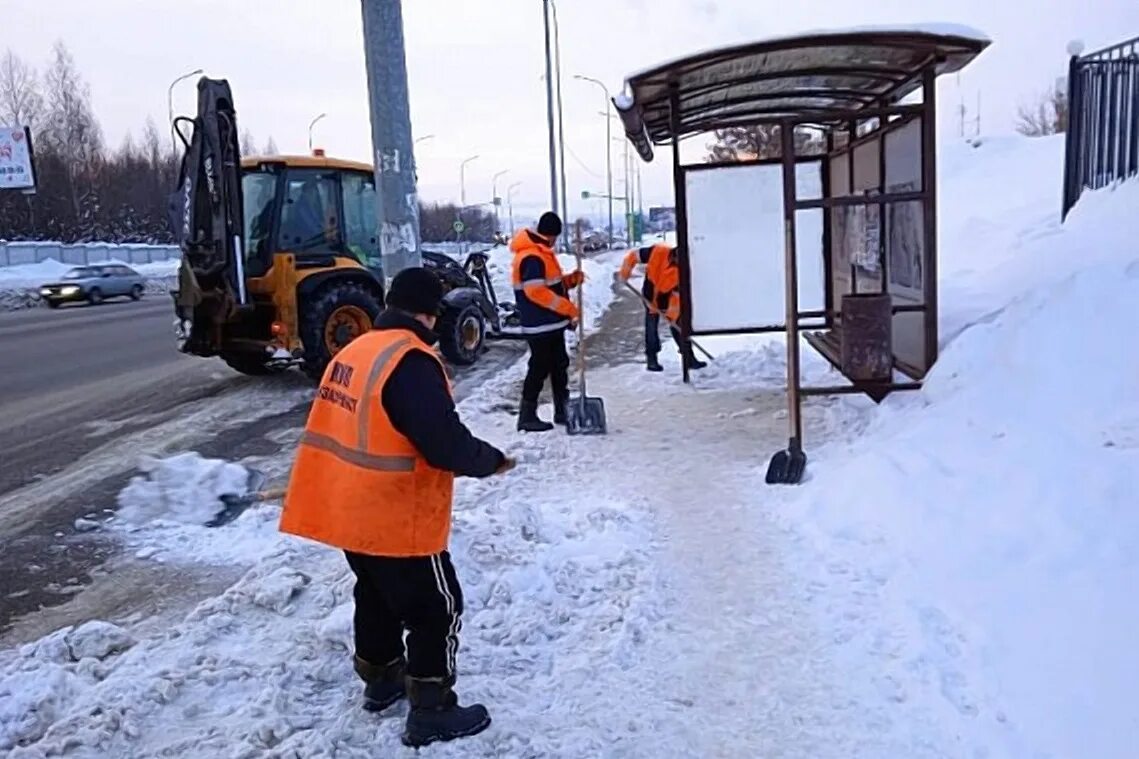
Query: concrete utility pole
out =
(550, 110)
(397, 204)
(497, 201)
(608, 148)
(510, 204)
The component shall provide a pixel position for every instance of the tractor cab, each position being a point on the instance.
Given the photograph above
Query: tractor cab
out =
(280, 255)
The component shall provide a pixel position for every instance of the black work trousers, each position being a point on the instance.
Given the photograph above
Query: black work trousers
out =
(652, 335)
(420, 595)
(548, 358)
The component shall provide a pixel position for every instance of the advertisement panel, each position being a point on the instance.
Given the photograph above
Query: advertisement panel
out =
(16, 169)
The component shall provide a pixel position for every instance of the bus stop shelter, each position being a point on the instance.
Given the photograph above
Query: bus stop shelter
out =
(842, 212)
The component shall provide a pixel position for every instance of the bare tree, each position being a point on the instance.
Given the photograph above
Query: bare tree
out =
(270, 148)
(248, 146)
(71, 126)
(761, 141)
(20, 100)
(1047, 115)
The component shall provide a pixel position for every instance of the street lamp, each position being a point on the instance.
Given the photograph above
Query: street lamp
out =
(608, 150)
(510, 204)
(628, 189)
(170, 103)
(421, 139)
(494, 195)
(310, 126)
(463, 181)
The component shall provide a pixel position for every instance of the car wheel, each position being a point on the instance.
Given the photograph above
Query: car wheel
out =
(136, 292)
(95, 297)
(462, 332)
(52, 303)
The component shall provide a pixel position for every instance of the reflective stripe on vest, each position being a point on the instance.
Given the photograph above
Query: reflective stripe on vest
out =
(357, 456)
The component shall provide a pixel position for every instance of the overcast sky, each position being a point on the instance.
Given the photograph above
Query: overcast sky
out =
(476, 66)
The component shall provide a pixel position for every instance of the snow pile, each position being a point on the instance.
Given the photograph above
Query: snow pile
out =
(560, 598)
(993, 513)
(183, 488)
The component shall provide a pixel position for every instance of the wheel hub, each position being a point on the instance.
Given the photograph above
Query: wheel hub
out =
(470, 332)
(344, 325)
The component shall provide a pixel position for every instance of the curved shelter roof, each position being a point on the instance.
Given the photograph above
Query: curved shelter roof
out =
(816, 74)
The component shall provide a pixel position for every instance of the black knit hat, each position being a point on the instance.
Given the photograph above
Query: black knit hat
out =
(549, 225)
(416, 291)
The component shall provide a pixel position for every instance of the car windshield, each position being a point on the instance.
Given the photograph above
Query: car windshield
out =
(81, 273)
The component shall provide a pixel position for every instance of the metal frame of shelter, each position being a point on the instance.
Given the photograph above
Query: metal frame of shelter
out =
(848, 88)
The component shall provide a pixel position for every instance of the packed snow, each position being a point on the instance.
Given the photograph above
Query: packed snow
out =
(954, 577)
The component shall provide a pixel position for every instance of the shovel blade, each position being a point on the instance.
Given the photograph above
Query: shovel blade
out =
(787, 467)
(585, 416)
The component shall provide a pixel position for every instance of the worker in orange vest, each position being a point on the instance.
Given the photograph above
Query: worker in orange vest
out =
(661, 290)
(373, 477)
(541, 292)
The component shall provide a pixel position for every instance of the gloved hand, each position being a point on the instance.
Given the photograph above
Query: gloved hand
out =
(574, 279)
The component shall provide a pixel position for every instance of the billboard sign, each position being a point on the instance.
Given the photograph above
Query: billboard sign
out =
(16, 166)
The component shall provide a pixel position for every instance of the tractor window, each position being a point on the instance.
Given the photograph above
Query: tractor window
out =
(258, 190)
(309, 220)
(360, 231)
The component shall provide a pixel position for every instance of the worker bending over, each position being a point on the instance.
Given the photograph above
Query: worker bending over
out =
(662, 294)
(541, 292)
(373, 477)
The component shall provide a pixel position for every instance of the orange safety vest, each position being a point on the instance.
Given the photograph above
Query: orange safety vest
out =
(357, 483)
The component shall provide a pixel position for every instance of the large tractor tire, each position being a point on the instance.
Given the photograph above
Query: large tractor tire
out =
(462, 332)
(253, 365)
(336, 315)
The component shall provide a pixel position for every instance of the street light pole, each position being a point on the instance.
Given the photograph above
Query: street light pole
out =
(494, 196)
(561, 136)
(421, 139)
(310, 126)
(170, 104)
(510, 204)
(463, 182)
(550, 110)
(608, 148)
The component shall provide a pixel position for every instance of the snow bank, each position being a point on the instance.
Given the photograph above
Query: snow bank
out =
(560, 598)
(994, 511)
(183, 488)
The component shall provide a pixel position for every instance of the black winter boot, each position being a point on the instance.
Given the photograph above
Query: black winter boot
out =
(652, 364)
(383, 684)
(560, 403)
(528, 420)
(436, 715)
(693, 363)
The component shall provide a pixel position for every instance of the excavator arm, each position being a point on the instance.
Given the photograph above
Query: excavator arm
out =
(207, 217)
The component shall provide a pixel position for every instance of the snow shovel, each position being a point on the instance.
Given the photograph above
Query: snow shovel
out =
(584, 415)
(234, 505)
(648, 305)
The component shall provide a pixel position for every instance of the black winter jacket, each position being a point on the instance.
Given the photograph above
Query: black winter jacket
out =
(416, 400)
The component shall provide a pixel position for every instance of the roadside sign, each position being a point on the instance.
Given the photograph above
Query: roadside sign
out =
(16, 165)
(458, 226)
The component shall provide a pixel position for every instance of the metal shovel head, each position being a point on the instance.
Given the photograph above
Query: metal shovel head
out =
(585, 416)
(234, 504)
(787, 467)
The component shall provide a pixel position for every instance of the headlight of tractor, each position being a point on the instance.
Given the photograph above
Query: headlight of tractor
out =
(69, 290)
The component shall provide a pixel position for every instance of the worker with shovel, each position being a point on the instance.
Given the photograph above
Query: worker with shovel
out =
(660, 293)
(374, 477)
(545, 311)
